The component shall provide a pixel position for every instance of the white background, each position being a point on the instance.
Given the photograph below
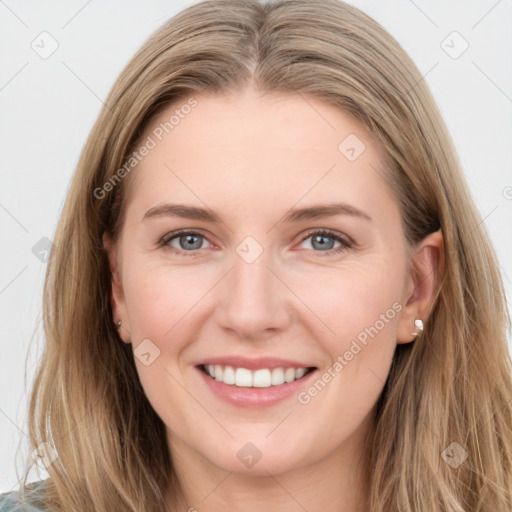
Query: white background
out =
(49, 105)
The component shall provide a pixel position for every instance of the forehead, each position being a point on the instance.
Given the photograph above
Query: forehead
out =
(233, 122)
(243, 146)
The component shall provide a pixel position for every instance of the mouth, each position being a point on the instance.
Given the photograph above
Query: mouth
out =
(260, 378)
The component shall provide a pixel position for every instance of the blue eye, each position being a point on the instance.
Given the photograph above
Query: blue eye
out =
(325, 240)
(184, 240)
(320, 241)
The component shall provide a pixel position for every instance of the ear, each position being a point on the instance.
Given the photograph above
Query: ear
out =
(424, 279)
(117, 299)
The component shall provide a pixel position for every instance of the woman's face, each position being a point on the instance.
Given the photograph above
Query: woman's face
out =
(261, 242)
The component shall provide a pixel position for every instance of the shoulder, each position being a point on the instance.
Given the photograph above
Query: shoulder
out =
(29, 500)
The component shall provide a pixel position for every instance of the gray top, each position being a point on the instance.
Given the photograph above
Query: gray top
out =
(30, 501)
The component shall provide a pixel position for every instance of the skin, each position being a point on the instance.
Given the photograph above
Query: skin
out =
(250, 158)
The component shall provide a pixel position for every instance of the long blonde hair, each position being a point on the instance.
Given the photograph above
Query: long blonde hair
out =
(452, 385)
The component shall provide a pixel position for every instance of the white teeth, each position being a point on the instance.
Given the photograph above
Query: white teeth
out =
(262, 378)
(289, 374)
(228, 376)
(243, 378)
(277, 376)
(300, 373)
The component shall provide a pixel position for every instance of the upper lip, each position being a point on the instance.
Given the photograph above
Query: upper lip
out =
(253, 364)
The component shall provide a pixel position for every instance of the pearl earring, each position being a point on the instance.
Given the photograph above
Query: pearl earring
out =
(419, 327)
(118, 324)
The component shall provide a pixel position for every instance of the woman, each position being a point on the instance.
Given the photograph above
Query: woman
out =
(270, 287)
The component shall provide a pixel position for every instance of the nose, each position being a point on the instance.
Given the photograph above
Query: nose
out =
(252, 301)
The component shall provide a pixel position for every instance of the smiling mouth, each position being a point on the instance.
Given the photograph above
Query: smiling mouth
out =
(261, 378)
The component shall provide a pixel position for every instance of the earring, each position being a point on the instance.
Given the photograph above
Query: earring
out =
(118, 324)
(419, 327)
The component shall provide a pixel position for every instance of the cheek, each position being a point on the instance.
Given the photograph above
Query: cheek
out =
(360, 340)
(356, 311)
(159, 297)
(347, 300)
(162, 303)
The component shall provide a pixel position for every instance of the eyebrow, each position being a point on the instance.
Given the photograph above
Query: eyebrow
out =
(324, 210)
(183, 211)
(294, 215)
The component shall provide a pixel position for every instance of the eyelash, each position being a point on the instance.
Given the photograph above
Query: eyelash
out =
(346, 242)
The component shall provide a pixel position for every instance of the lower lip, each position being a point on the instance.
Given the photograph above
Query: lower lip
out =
(255, 397)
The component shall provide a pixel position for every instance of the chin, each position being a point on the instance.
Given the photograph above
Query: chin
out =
(255, 458)
(263, 467)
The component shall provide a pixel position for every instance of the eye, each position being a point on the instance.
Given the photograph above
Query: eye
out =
(325, 241)
(189, 241)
